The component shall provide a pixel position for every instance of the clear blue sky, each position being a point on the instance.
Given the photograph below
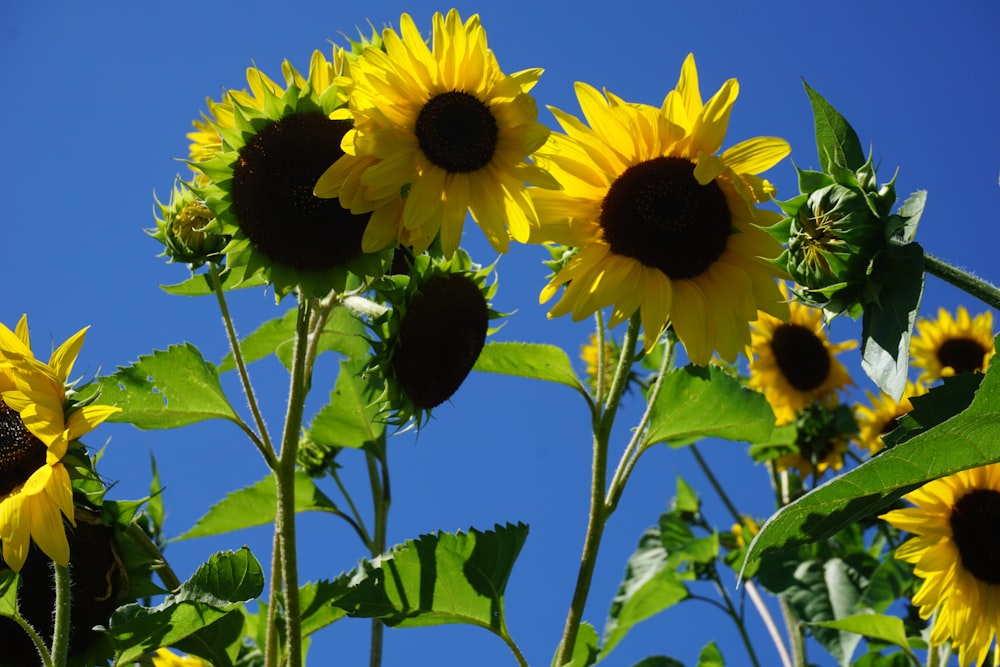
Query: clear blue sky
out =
(97, 98)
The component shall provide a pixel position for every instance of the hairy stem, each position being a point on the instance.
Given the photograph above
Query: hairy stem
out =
(60, 631)
(971, 284)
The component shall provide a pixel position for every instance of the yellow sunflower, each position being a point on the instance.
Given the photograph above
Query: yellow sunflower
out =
(793, 362)
(956, 523)
(882, 416)
(165, 658)
(444, 125)
(664, 226)
(950, 346)
(36, 432)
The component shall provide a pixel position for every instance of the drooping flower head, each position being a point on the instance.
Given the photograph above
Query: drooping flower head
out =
(445, 125)
(882, 416)
(793, 363)
(432, 336)
(956, 528)
(953, 345)
(261, 178)
(663, 225)
(36, 431)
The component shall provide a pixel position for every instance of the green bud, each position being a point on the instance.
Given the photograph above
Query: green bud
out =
(182, 229)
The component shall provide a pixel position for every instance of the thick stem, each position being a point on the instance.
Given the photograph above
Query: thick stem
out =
(60, 631)
(796, 637)
(271, 648)
(380, 502)
(971, 284)
(598, 514)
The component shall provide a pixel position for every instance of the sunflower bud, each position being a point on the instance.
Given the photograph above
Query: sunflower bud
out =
(182, 231)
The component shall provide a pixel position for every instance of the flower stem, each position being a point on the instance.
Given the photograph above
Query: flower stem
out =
(971, 284)
(60, 631)
(381, 499)
(737, 619)
(36, 639)
(599, 513)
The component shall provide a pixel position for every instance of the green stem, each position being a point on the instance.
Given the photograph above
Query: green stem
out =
(737, 619)
(262, 441)
(60, 631)
(598, 514)
(36, 639)
(358, 522)
(285, 484)
(971, 284)
(149, 549)
(271, 648)
(380, 501)
(723, 496)
(796, 638)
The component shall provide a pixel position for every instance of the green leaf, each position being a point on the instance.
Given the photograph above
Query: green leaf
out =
(256, 506)
(659, 661)
(219, 643)
(651, 585)
(888, 320)
(690, 393)
(343, 333)
(904, 223)
(8, 593)
(534, 361)
(169, 388)
(223, 584)
(437, 579)
(888, 629)
(711, 656)
(585, 648)
(200, 284)
(966, 440)
(836, 141)
(351, 418)
(315, 601)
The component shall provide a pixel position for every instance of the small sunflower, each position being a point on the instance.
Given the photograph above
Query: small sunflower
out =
(589, 354)
(432, 336)
(950, 346)
(823, 430)
(166, 658)
(447, 126)
(181, 230)
(259, 180)
(883, 415)
(664, 226)
(36, 430)
(793, 363)
(956, 551)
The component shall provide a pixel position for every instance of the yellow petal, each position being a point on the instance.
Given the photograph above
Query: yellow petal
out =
(756, 155)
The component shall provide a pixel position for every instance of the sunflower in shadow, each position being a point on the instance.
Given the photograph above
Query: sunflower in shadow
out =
(794, 363)
(663, 225)
(956, 528)
(823, 430)
(882, 415)
(952, 345)
(264, 150)
(447, 127)
(38, 424)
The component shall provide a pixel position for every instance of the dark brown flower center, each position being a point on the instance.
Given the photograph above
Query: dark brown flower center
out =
(272, 190)
(21, 453)
(440, 339)
(975, 527)
(657, 213)
(457, 132)
(801, 356)
(964, 355)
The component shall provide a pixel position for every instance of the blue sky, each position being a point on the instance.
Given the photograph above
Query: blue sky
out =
(98, 98)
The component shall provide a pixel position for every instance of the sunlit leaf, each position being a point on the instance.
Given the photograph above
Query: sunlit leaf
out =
(585, 648)
(711, 656)
(691, 393)
(315, 602)
(227, 581)
(8, 592)
(219, 642)
(351, 418)
(888, 629)
(200, 284)
(836, 141)
(256, 506)
(534, 361)
(437, 579)
(169, 388)
(966, 440)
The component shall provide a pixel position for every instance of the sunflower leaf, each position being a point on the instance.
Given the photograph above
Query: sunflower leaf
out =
(535, 361)
(889, 318)
(200, 284)
(690, 393)
(585, 648)
(888, 629)
(219, 643)
(711, 656)
(223, 584)
(351, 417)
(8, 593)
(942, 445)
(255, 506)
(166, 389)
(436, 579)
(836, 141)
(343, 333)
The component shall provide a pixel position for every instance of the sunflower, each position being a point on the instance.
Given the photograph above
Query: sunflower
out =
(950, 346)
(823, 430)
(793, 362)
(447, 126)
(883, 415)
(258, 183)
(35, 432)
(956, 524)
(429, 340)
(663, 226)
(165, 658)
